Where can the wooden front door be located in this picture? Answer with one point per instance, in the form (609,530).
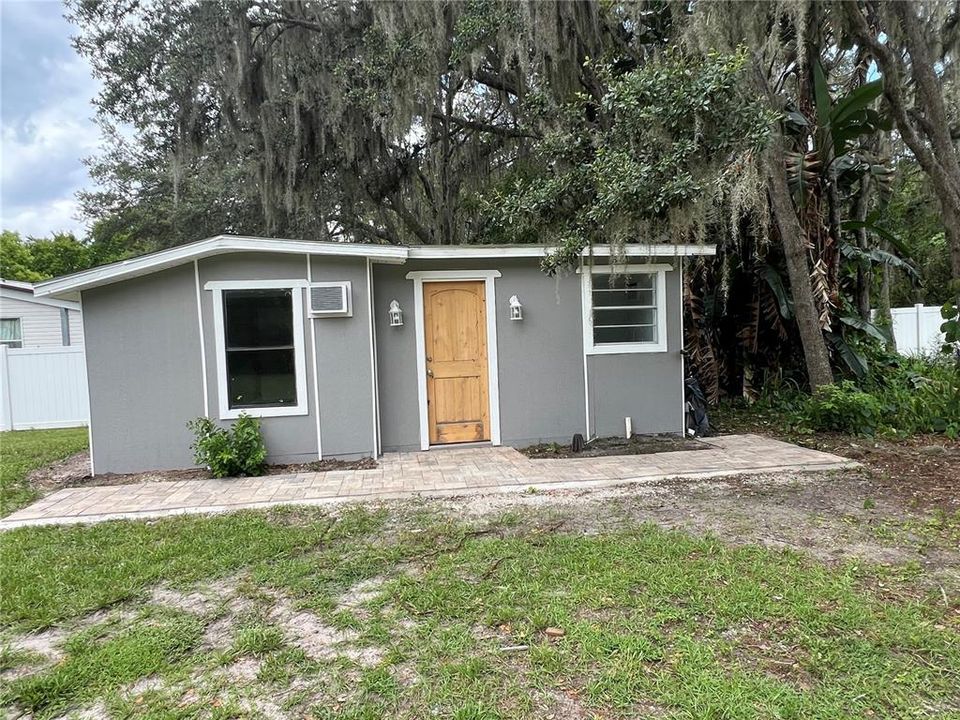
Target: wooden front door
(455,335)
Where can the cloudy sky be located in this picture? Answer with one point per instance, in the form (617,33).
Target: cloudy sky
(45,117)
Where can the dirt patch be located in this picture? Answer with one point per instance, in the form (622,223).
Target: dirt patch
(74,471)
(202,599)
(921,471)
(46,643)
(366,463)
(68,472)
(603,447)
(243,670)
(147,684)
(761,646)
(319,640)
(360,594)
(832,516)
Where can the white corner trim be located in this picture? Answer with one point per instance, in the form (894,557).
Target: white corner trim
(493,374)
(253,284)
(316,368)
(374,383)
(203,346)
(493,365)
(683,366)
(423,415)
(86,370)
(299,358)
(586,302)
(445,275)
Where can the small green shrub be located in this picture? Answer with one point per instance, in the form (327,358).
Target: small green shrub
(239,450)
(843,407)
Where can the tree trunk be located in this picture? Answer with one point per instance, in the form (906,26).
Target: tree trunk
(884,316)
(923,121)
(795,252)
(951,224)
(864,273)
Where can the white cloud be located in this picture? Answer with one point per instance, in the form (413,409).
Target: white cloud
(47,127)
(45,218)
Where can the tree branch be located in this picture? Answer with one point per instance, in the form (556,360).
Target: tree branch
(482,126)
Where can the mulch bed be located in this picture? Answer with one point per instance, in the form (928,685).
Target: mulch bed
(922,471)
(74,471)
(608,446)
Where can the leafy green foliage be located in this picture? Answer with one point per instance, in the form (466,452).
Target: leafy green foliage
(232,452)
(39,259)
(950,327)
(655,162)
(898,396)
(843,407)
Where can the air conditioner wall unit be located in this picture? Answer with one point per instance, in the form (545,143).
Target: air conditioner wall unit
(331,299)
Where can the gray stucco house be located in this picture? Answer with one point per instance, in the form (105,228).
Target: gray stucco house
(348,350)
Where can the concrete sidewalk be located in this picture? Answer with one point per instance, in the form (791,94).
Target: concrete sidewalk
(447,471)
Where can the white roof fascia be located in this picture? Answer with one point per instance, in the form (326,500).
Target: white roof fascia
(218,245)
(27,296)
(69,285)
(441,252)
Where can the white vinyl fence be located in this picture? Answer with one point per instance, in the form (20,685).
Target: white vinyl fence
(43,388)
(917,329)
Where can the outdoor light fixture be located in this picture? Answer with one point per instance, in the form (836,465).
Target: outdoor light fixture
(516,309)
(396,314)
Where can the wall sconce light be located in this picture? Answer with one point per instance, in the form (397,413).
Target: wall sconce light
(395,313)
(516,309)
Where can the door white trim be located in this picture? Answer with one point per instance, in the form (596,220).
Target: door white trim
(419,277)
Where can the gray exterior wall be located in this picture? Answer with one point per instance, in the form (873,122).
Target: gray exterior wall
(143,368)
(289,439)
(144,363)
(646,387)
(541,361)
(344,366)
(342,354)
(540,358)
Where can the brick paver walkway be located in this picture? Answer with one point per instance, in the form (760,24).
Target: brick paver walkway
(448,471)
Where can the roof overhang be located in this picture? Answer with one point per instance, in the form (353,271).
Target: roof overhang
(219,245)
(441,252)
(68,286)
(12,293)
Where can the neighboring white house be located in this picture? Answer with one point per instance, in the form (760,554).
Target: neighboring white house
(32,322)
(43,377)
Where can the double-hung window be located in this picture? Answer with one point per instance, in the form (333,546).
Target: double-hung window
(625,309)
(260,353)
(11,332)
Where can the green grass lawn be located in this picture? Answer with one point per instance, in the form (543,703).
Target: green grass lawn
(25,450)
(407,612)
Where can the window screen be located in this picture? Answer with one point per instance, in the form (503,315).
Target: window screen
(624,308)
(261,365)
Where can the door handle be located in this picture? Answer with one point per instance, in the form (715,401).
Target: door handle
(430,373)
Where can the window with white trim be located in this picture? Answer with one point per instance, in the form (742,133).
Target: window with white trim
(11,332)
(260,351)
(626,311)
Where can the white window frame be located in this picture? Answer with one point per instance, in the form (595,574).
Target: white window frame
(20,340)
(659,271)
(299,353)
